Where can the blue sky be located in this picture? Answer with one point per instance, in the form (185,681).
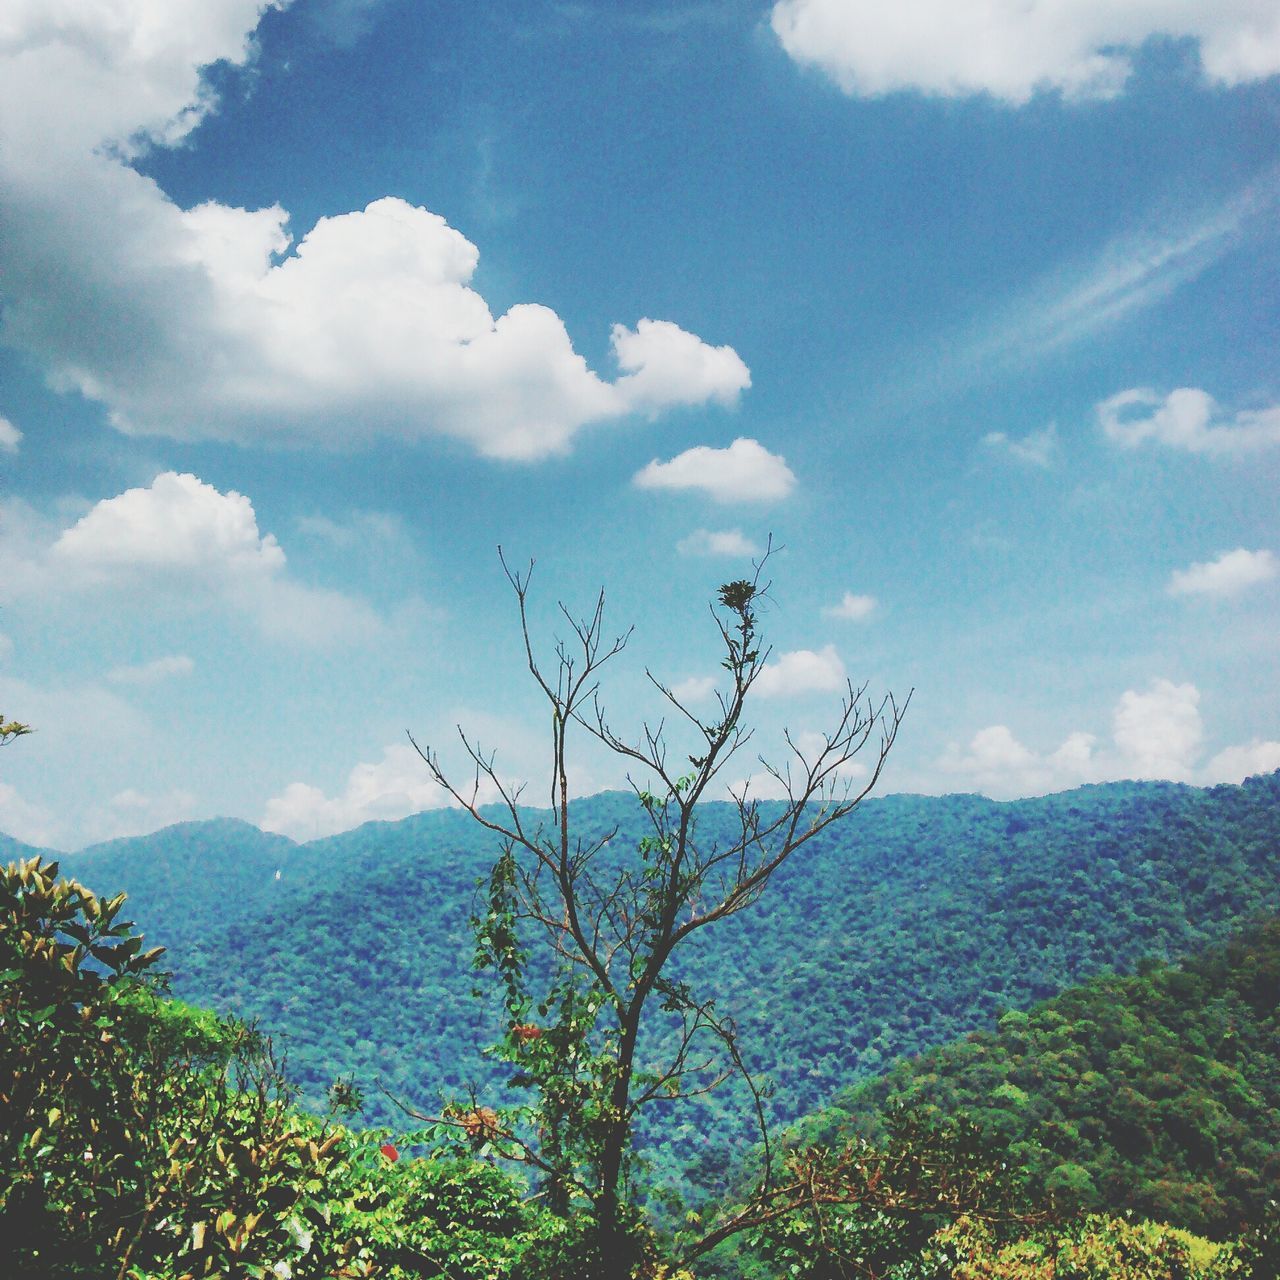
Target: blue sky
(307,308)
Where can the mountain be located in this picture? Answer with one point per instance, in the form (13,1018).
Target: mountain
(914,922)
(184,879)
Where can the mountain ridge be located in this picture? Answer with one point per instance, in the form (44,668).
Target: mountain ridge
(917,920)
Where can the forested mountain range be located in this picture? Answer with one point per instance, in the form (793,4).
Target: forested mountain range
(914,922)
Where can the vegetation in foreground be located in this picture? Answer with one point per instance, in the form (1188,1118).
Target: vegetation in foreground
(144,1139)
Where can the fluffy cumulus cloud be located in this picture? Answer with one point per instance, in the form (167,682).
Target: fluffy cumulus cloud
(395,787)
(717,542)
(10,436)
(212,321)
(663,365)
(1186,419)
(802,671)
(744,472)
(1156,733)
(1235,763)
(176,523)
(1228,575)
(182,539)
(1010,49)
(852,608)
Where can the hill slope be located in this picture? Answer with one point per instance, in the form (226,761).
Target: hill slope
(1157,1093)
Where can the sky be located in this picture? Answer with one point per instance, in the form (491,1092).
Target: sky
(970,306)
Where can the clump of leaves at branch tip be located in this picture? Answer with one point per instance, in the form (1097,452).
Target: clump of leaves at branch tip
(10,729)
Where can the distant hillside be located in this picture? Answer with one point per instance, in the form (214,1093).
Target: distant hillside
(1157,1093)
(183,880)
(917,920)
(12,850)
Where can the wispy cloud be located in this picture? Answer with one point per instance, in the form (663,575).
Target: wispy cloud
(155,671)
(1134,271)
(1036,449)
(717,542)
(852,608)
(673,19)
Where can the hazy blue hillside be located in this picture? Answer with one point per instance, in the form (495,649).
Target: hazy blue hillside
(185,880)
(12,850)
(913,923)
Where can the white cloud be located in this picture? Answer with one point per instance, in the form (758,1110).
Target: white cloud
(663,365)
(205,323)
(30,823)
(128,813)
(181,539)
(1156,733)
(135,813)
(10,436)
(1037,449)
(1235,764)
(362,528)
(763,785)
(744,472)
(996,763)
(1228,575)
(177,523)
(694,689)
(717,542)
(852,608)
(155,671)
(82,730)
(1186,419)
(802,671)
(1011,50)
(395,787)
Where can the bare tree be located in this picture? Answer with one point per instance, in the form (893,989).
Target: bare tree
(611,919)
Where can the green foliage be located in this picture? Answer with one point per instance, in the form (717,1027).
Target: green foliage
(1157,1094)
(943,1203)
(1092,1248)
(10,729)
(140,1138)
(873,1209)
